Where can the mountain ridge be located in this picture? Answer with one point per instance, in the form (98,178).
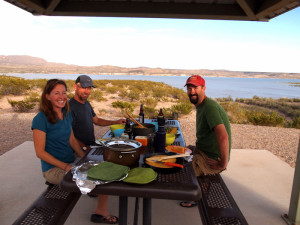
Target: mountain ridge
(30,64)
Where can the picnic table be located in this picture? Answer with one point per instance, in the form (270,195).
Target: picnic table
(179,185)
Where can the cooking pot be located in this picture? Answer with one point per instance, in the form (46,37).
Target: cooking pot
(121,151)
(150,128)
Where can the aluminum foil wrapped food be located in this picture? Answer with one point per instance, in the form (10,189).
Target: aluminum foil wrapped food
(86,175)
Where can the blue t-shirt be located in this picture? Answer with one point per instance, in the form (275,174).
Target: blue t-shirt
(57,138)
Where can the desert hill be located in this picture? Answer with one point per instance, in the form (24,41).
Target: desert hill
(30,64)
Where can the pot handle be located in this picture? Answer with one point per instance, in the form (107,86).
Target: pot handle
(128,152)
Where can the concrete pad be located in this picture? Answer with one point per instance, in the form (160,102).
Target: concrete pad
(21,181)
(259,182)
(261,185)
(164,212)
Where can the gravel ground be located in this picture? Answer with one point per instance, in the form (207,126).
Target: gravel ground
(282,142)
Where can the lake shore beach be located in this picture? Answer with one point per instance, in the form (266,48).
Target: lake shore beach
(282,142)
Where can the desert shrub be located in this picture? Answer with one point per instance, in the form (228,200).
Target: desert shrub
(296,122)
(21,106)
(97,95)
(159,93)
(225,99)
(38,83)
(123,93)
(177,93)
(265,119)
(33,97)
(123,106)
(70,84)
(13,85)
(101,83)
(235,112)
(150,102)
(167,112)
(112,90)
(182,108)
(102,112)
(134,94)
(149,112)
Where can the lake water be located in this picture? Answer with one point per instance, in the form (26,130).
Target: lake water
(215,86)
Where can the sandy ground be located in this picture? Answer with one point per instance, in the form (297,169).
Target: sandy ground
(282,142)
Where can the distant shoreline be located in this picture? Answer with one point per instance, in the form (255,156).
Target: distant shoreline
(296,77)
(35,65)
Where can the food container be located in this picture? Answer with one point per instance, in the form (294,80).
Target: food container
(116,127)
(121,151)
(160,169)
(142,139)
(118,132)
(150,128)
(170,138)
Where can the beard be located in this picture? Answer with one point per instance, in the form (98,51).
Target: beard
(83,97)
(194,100)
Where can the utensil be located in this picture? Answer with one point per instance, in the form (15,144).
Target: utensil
(133,120)
(172,156)
(157,168)
(99,142)
(167,163)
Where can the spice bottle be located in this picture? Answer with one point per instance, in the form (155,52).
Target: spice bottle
(142,115)
(128,129)
(160,139)
(161,118)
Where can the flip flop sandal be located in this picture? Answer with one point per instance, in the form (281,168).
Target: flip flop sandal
(188,204)
(104,219)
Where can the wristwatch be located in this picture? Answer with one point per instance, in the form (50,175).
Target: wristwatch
(84,148)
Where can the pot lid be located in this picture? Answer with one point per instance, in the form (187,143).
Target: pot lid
(120,144)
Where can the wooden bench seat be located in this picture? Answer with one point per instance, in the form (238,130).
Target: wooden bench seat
(217,206)
(52,207)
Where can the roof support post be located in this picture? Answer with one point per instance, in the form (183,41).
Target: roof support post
(293,216)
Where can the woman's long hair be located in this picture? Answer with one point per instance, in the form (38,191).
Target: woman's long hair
(46,105)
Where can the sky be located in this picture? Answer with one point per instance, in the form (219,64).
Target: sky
(272,46)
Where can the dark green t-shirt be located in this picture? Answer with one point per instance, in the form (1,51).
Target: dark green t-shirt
(210,114)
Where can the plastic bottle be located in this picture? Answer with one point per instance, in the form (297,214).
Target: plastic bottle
(128,129)
(160,139)
(142,115)
(161,118)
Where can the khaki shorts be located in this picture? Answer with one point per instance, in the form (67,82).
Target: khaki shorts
(201,167)
(54,175)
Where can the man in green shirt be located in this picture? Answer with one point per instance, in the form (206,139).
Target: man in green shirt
(213,144)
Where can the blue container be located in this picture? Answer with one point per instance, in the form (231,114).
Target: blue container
(155,124)
(118,132)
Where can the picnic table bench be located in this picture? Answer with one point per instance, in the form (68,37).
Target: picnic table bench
(52,207)
(217,206)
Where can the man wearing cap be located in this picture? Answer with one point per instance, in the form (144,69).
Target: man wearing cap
(84,119)
(83,114)
(213,143)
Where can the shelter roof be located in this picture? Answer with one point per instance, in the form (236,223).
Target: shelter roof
(247,10)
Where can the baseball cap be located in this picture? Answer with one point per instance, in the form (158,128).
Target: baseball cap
(85,81)
(195,80)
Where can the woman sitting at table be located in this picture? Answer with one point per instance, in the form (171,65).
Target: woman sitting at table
(53,137)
